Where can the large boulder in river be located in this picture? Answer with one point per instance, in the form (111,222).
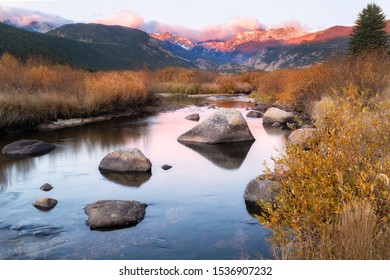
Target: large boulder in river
(224,126)
(27,148)
(114,213)
(277,115)
(129,160)
(259,190)
(302,137)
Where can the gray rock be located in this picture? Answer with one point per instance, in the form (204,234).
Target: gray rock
(193,117)
(46,187)
(166,167)
(302,137)
(254,114)
(276,124)
(224,126)
(259,189)
(45,203)
(27,148)
(277,115)
(129,160)
(114,213)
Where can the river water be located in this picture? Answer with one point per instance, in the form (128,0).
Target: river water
(195,210)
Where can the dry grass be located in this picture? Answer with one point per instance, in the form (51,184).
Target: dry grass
(35,92)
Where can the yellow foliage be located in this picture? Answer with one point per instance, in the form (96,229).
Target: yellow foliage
(348,163)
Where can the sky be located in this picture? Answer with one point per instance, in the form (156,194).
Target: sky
(206,18)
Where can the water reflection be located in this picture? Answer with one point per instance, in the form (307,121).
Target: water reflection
(132,179)
(227,156)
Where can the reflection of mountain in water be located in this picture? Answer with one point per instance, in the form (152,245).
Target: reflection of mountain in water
(227,156)
(131,179)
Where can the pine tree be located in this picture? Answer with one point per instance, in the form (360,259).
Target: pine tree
(369,33)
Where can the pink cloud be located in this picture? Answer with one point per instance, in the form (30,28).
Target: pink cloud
(214,32)
(126,18)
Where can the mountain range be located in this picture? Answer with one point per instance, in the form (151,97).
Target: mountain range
(102,47)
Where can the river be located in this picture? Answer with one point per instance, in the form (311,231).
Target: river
(195,209)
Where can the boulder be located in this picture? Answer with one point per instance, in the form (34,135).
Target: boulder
(129,160)
(46,187)
(277,115)
(254,114)
(27,148)
(224,126)
(45,203)
(302,137)
(114,213)
(259,189)
(193,117)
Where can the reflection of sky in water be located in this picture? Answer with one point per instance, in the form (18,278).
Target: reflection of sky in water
(196,209)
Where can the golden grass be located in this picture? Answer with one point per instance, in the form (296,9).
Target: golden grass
(35,92)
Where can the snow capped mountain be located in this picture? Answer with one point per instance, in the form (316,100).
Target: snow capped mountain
(31,20)
(258,39)
(174,39)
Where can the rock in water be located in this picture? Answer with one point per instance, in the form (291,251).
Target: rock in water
(46,187)
(166,167)
(193,117)
(276,115)
(130,160)
(27,148)
(254,114)
(44,203)
(259,189)
(224,126)
(114,213)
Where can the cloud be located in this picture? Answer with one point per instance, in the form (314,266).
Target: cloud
(214,32)
(22,17)
(125,18)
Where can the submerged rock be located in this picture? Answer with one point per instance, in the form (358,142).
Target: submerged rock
(46,187)
(45,203)
(129,160)
(193,117)
(27,148)
(224,126)
(114,213)
(273,115)
(128,179)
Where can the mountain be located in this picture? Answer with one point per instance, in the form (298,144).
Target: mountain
(174,39)
(90,46)
(31,20)
(255,40)
(323,35)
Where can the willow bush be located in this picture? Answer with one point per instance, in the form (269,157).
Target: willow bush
(344,173)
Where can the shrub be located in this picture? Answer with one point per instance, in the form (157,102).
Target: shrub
(347,167)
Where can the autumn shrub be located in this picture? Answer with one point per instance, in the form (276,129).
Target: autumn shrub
(340,184)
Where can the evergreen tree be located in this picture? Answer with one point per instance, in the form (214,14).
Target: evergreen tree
(369,33)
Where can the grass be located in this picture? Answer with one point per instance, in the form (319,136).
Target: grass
(36,92)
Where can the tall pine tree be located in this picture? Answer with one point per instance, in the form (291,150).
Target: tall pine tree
(369,33)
